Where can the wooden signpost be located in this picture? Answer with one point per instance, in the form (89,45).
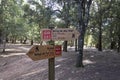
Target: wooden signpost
(38,52)
(59,34)
(64,34)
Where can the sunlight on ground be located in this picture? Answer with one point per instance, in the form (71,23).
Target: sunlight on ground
(61,59)
(88,62)
(16,51)
(57,66)
(13,54)
(12,50)
(24,48)
(34,72)
(73,48)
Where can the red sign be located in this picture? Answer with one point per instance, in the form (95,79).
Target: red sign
(58,50)
(46,34)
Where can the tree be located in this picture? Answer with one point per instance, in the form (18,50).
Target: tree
(41,16)
(83,16)
(66,8)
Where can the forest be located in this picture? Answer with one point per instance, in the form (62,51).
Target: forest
(98,22)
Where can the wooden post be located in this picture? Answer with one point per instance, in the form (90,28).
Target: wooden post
(51,63)
(51,68)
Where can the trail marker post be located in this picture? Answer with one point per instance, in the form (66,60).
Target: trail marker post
(38,52)
(51,61)
(59,34)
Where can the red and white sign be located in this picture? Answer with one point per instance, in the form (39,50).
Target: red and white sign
(46,34)
(58,50)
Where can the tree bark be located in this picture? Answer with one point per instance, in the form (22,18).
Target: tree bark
(80,48)
(32,42)
(0,36)
(79,62)
(100,30)
(65,46)
(100,39)
(118,43)
(83,15)
(76,46)
(21,40)
(4,41)
(24,42)
(112,46)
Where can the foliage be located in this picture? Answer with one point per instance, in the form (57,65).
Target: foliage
(21,21)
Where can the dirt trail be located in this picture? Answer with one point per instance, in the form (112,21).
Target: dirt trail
(15,65)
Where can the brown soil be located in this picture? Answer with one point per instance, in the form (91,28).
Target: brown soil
(16,65)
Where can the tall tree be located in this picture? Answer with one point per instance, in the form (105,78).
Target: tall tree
(83,16)
(103,7)
(66,8)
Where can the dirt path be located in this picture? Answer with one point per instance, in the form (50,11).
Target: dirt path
(15,65)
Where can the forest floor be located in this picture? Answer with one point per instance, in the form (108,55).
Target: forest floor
(16,65)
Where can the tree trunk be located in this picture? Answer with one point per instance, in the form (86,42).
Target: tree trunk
(100,39)
(4,45)
(32,42)
(83,16)
(13,39)
(24,42)
(76,48)
(112,46)
(65,46)
(118,44)
(7,40)
(0,36)
(100,32)
(79,62)
(80,48)
(4,41)
(21,40)
(41,42)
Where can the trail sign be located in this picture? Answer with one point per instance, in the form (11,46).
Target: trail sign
(38,52)
(59,34)
(58,50)
(64,34)
(46,34)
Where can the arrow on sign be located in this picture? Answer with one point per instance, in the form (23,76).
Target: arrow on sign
(38,52)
